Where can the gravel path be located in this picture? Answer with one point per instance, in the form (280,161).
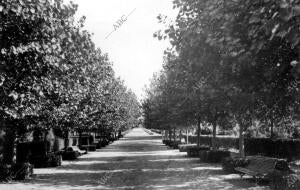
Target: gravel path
(137,161)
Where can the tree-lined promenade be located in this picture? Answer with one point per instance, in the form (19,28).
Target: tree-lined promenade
(232,75)
(233,65)
(53,77)
(126,164)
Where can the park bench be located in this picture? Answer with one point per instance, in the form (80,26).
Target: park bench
(260,167)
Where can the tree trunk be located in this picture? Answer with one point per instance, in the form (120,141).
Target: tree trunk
(213,140)
(241,140)
(9,145)
(80,138)
(47,141)
(187,136)
(180,135)
(101,135)
(66,139)
(170,134)
(272,128)
(198,133)
(174,134)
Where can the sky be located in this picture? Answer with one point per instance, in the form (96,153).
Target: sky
(136,55)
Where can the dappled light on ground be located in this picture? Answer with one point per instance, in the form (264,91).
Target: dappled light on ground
(139,161)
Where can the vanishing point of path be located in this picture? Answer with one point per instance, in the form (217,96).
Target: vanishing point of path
(137,161)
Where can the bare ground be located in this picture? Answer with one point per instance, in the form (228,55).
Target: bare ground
(138,161)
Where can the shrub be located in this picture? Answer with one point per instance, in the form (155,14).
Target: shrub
(5,172)
(43,161)
(205,131)
(91,148)
(296,133)
(284,181)
(229,163)
(102,143)
(56,160)
(185,147)
(16,172)
(221,142)
(167,142)
(277,148)
(22,171)
(213,156)
(194,151)
(174,144)
(70,155)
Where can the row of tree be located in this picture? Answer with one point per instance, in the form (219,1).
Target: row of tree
(53,76)
(232,63)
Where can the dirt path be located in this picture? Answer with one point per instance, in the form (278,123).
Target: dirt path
(138,161)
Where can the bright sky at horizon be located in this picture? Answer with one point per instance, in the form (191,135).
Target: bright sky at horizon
(135,53)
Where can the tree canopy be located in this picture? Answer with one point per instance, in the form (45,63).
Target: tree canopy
(53,76)
(231,63)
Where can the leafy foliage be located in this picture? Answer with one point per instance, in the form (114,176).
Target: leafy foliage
(52,75)
(231,63)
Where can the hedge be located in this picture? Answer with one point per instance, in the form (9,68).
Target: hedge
(195,151)
(91,148)
(102,143)
(172,144)
(278,148)
(166,142)
(44,161)
(213,156)
(185,147)
(221,142)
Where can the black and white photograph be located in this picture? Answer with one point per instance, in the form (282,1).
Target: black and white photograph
(149,94)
